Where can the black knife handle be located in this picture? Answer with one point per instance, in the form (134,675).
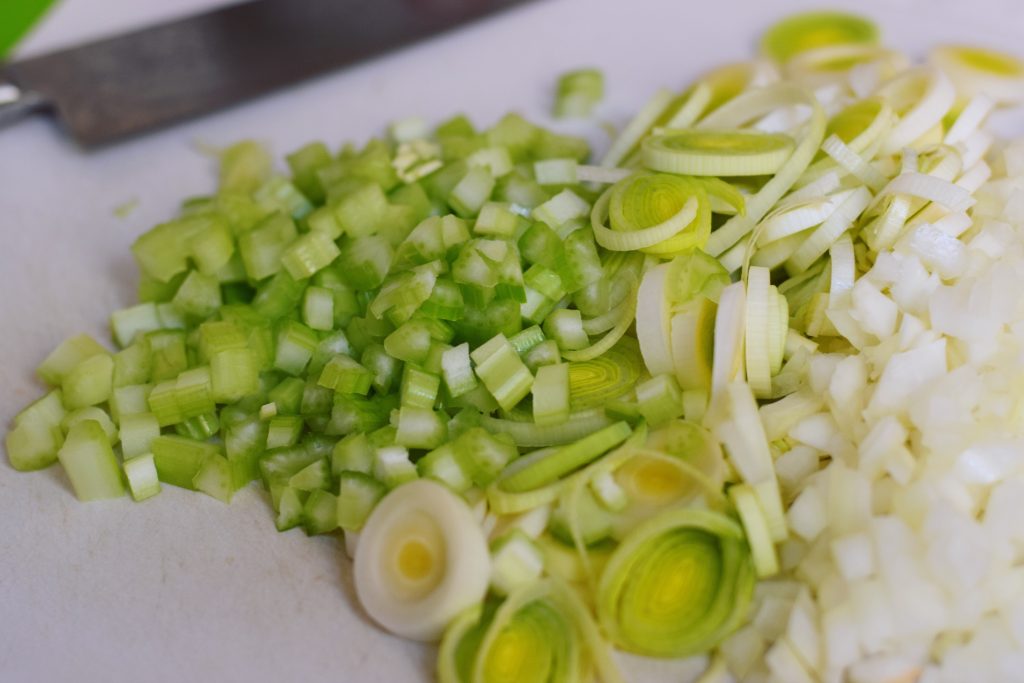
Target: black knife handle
(16,103)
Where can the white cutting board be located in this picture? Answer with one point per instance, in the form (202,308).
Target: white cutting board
(182,587)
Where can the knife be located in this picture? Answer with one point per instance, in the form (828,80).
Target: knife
(115,88)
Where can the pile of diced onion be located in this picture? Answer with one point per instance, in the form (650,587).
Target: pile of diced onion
(903,465)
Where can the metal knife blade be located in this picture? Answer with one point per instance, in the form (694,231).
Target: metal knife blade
(121,86)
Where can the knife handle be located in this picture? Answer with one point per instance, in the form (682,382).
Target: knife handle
(16,103)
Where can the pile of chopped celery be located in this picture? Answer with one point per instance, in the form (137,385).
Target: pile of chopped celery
(556,407)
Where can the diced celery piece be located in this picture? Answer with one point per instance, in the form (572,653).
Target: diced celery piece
(95,414)
(485,454)
(33,442)
(308,254)
(128,322)
(352,454)
(140,471)
(304,163)
(89,382)
(284,430)
(420,428)
(551,394)
(346,376)
(132,364)
(443,465)
(289,509)
(419,387)
(234,374)
(244,443)
(287,395)
(363,211)
(320,513)
(214,478)
(385,369)
(579,264)
(212,248)
(163,403)
(503,373)
(33,445)
(167,353)
(358,494)
(392,467)
(199,295)
(470,193)
(90,463)
(261,248)
(129,400)
(193,392)
(316,475)
(137,434)
(318,308)
(220,335)
(199,427)
(565,326)
(278,194)
(278,296)
(295,346)
(280,464)
(179,459)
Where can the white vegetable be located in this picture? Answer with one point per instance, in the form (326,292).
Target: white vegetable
(422,558)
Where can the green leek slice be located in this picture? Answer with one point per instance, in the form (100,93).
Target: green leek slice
(717,152)
(677,585)
(810,30)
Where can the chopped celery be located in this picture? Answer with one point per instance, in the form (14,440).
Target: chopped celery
(90,463)
(358,493)
(89,382)
(320,513)
(214,478)
(179,459)
(140,471)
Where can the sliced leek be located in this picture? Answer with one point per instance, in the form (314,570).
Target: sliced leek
(717,152)
(982,71)
(678,584)
(421,560)
(743,109)
(810,30)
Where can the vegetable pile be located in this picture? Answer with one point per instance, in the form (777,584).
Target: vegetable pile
(748,387)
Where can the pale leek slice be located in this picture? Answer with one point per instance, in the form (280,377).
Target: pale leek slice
(703,152)
(750,106)
(422,559)
(982,71)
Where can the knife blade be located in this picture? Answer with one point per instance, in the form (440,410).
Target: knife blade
(121,86)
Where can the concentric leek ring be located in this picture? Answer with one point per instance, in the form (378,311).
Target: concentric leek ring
(979,71)
(533,639)
(655,213)
(677,585)
(811,30)
(594,382)
(717,152)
